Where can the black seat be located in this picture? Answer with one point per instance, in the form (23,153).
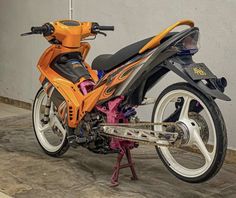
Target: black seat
(107,62)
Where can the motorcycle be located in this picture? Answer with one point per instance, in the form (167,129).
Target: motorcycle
(95,106)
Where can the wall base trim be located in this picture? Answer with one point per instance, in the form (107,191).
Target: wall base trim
(16,103)
(230,156)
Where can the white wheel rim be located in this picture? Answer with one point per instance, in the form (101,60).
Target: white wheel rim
(40,130)
(195,138)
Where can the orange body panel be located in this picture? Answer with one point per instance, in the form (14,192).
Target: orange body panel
(156,40)
(70,38)
(78,103)
(73,97)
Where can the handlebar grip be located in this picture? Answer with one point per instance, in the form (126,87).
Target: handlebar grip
(107,28)
(46,29)
(39,29)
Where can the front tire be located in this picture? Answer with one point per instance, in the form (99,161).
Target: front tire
(213,139)
(55,147)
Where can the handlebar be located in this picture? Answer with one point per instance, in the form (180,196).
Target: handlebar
(105,28)
(46,29)
(96,28)
(39,29)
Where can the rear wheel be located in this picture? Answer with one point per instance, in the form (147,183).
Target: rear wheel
(52,135)
(204,144)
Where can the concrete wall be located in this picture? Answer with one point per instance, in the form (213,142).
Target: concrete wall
(19,55)
(133,20)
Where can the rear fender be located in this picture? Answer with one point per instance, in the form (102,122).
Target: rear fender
(194,74)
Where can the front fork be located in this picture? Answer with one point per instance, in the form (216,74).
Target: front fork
(47,111)
(70,131)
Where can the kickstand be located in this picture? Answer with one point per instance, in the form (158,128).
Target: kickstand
(118,166)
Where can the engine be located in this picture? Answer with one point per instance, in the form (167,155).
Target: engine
(89,135)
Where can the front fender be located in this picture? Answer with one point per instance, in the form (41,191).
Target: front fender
(179,66)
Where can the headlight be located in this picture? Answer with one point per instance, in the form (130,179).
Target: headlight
(188,45)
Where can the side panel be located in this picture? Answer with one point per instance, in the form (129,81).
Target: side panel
(158,55)
(116,79)
(69,91)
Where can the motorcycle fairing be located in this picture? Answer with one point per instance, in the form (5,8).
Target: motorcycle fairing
(138,74)
(77,103)
(73,97)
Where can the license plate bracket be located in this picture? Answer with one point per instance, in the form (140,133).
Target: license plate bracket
(198,71)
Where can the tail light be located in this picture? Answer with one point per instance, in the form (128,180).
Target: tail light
(188,45)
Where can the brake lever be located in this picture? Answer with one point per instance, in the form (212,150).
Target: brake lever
(26,34)
(102,33)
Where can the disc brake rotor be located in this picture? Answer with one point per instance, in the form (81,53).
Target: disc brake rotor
(202,124)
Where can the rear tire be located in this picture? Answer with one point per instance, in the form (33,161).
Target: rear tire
(220,134)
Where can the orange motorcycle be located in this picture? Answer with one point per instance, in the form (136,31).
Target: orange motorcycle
(95,106)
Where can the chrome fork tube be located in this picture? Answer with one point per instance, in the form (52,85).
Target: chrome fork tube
(47,111)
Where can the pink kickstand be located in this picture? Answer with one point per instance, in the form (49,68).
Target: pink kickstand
(124,146)
(118,166)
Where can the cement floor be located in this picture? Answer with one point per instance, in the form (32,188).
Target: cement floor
(25,171)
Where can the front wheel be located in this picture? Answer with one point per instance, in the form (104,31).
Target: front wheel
(52,135)
(204,143)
